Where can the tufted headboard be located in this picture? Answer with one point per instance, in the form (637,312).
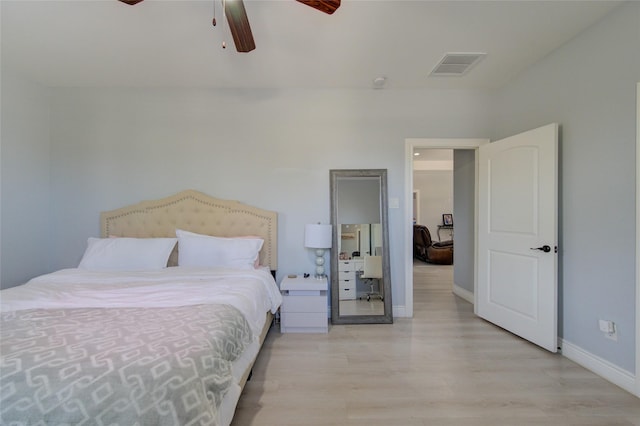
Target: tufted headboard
(196,212)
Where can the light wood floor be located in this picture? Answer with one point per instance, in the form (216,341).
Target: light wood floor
(442,367)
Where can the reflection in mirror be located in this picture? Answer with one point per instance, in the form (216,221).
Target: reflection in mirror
(360,279)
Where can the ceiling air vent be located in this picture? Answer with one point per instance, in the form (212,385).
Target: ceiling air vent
(456,64)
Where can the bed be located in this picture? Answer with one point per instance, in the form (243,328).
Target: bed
(162,345)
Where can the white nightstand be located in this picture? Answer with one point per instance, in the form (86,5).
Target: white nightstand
(304,305)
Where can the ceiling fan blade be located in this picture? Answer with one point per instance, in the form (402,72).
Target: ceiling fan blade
(326,6)
(239,25)
(131,2)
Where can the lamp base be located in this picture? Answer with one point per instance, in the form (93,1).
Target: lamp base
(320,263)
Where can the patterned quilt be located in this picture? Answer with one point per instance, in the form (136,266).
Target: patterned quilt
(118,366)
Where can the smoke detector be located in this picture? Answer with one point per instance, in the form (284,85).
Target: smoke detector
(456,64)
(379,82)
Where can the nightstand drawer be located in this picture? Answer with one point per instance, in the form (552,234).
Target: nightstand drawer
(304,320)
(314,304)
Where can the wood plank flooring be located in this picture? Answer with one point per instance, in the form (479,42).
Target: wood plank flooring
(442,367)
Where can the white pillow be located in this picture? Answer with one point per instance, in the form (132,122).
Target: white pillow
(127,254)
(204,251)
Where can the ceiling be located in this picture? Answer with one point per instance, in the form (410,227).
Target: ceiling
(432,154)
(430,159)
(173,44)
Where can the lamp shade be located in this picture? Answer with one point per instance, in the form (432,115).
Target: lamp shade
(317,236)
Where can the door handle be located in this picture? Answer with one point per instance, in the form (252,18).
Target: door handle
(545,248)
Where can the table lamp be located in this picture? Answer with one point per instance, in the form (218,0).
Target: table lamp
(318,237)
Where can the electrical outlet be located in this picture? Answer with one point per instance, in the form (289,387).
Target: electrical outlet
(609,329)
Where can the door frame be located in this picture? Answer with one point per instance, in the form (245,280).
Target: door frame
(415,196)
(637,373)
(409,145)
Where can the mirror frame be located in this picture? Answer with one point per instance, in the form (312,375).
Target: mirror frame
(387,316)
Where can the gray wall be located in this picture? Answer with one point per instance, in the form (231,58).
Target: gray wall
(24,169)
(274,149)
(436,198)
(589,87)
(464,178)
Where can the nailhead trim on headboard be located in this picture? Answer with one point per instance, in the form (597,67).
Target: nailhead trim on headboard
(196,212)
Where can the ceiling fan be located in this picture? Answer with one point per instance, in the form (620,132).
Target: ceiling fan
(239,23)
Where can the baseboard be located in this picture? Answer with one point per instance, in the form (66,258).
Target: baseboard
(616,375)
(399,311)
(463,293)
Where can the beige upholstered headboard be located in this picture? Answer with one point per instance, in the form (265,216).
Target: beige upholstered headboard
(196,212)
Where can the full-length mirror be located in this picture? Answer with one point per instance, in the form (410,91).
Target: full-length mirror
(360,273)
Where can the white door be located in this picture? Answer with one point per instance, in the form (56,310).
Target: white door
(517,235)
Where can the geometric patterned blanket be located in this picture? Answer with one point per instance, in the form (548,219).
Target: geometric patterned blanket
(118,366)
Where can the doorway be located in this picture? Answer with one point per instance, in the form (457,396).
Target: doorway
(433,191)
(410,146)
(433,176)
(595,365)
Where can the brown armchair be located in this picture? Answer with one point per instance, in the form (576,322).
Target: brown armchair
(428,251)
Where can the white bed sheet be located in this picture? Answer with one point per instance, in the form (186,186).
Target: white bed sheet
(253,292)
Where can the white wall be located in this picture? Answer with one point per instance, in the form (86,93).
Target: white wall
(436,198)
(588,86)
(24,175)
(270,148)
